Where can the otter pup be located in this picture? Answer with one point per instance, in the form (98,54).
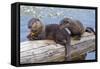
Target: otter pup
(60,36)
(36,27)
(75,27)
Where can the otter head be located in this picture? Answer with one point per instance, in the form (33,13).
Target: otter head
(35,25)
(66,22)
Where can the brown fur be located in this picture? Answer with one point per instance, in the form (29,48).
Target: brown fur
(36,27)
(75,26)
(60,36)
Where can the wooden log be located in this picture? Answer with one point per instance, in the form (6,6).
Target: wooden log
(40,51)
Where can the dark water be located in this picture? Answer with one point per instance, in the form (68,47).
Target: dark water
(86,17)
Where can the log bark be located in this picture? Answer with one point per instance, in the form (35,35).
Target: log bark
(40,51)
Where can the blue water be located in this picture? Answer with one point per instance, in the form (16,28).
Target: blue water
(87,17)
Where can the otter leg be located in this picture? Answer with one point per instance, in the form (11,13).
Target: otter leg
(67,47)
(67,52)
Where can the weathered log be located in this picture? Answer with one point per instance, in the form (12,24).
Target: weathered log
(40,51)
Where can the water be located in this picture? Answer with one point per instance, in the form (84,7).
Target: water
(90,56)
(87,17)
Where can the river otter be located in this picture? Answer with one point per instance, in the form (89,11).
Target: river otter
(52,31)
(75,27)
(60,36)
(36,29)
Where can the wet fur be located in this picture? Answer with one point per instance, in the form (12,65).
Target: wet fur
(36,29)
(60,36)
(75,26)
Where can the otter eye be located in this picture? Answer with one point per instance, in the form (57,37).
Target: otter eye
(67,21)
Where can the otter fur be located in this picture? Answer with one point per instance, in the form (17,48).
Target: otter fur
(36,29)
(60,36)
(50,32)
(75,26)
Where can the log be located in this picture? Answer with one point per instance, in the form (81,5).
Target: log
(39,51)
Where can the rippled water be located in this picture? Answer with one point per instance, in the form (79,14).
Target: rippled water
(87,17)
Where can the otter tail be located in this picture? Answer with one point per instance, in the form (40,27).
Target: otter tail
(90,30)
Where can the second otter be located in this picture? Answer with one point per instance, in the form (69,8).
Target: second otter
(75,27)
